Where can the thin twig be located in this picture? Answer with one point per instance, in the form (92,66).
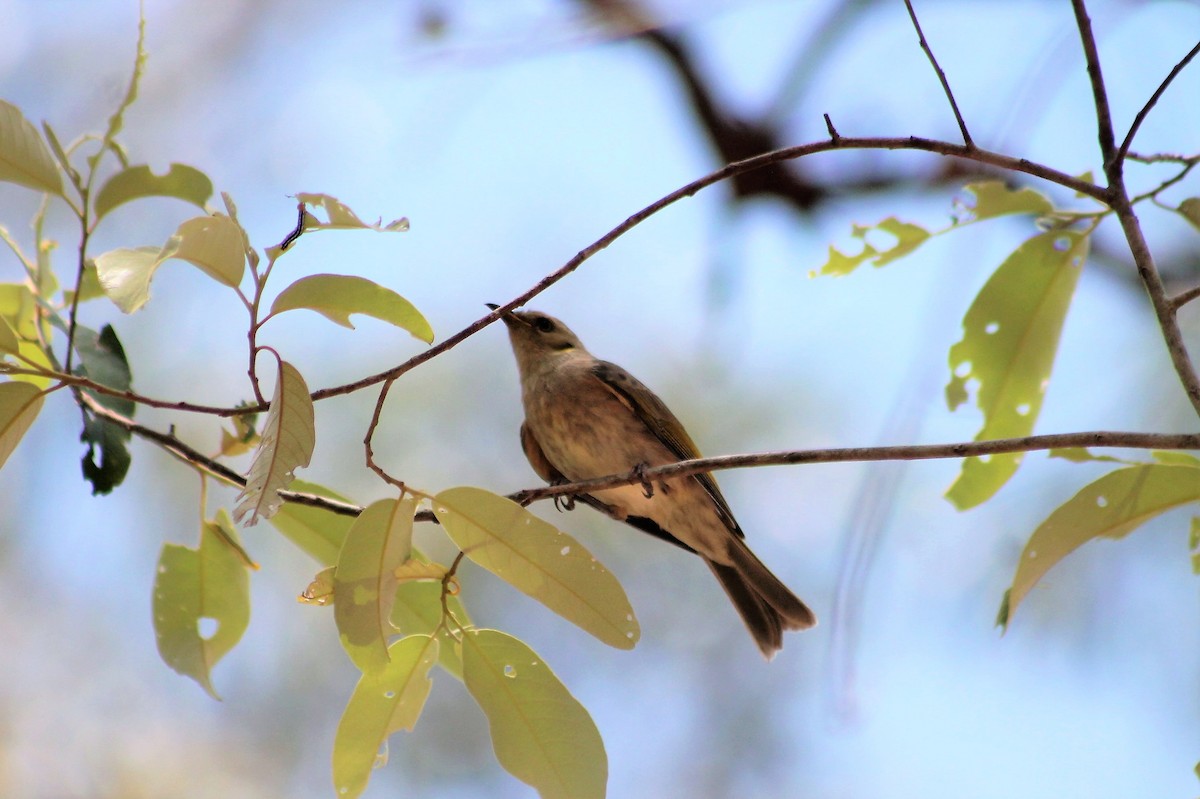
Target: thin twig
(77,381)
(962,125)
(910,452)
(1162,87)
(1184,297)
(1104,125)
(968,152)
(370,451)
(964,449)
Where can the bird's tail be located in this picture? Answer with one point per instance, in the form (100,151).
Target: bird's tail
(766,605)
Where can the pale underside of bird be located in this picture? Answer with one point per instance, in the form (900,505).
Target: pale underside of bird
(587,418)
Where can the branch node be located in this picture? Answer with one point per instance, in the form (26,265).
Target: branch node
(834,136)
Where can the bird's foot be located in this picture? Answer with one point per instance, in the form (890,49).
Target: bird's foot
(563,502)
(639,471)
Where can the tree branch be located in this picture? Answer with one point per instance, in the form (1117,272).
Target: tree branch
(962,125)
(1162,87)
(909,452)
(967,152)
(1104,125)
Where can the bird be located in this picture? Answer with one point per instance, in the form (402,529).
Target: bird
(587,418)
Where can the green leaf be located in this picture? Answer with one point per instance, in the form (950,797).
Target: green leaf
(381,704)
(1111,507)
(364,583)
(102,359)
(1010,338)
(1190,209)
(337,296)
(60,154)
(1084,455)
(125,275)
(24,159)
(89,287)
(1176,458)
(1194,544)
(418,609)
(320,589)
(288,439)
(318,532)
(212,243)
(20,404)
(9,343)
(541,734)
(181,182)
(907,237)
(993,198)
(539,560)
(340,216)
(209,585)
(112,443)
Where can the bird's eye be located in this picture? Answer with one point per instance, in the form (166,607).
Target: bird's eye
(543,324)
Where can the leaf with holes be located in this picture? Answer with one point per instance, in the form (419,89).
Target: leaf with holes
(135,182)
(364,583)
(381,704)
(1111,507)
(195,587)
(541,734)
(539,560)
(288,438)
(1010,338)
(904,236)
(340,216)
(24,158)
(992,198)
(337,296)
(20,404)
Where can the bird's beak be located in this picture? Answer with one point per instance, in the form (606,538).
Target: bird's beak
(509,318)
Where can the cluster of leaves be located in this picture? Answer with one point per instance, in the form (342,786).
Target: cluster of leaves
(398,613)
(1010,339)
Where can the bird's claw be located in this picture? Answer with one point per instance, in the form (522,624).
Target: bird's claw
(564,502)
(639,471)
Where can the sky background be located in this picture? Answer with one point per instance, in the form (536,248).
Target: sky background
(513,135)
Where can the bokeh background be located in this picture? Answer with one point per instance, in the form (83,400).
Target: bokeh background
(512,135)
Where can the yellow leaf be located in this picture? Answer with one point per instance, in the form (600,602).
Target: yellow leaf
(1010,338)
(288,439)
(541,734)
(539,560)
(20,404)
(381,704)
(1111,507)
(364,582)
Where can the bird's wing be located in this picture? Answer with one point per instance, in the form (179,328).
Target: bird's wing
(537,459)
(546,470)
(658,418)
